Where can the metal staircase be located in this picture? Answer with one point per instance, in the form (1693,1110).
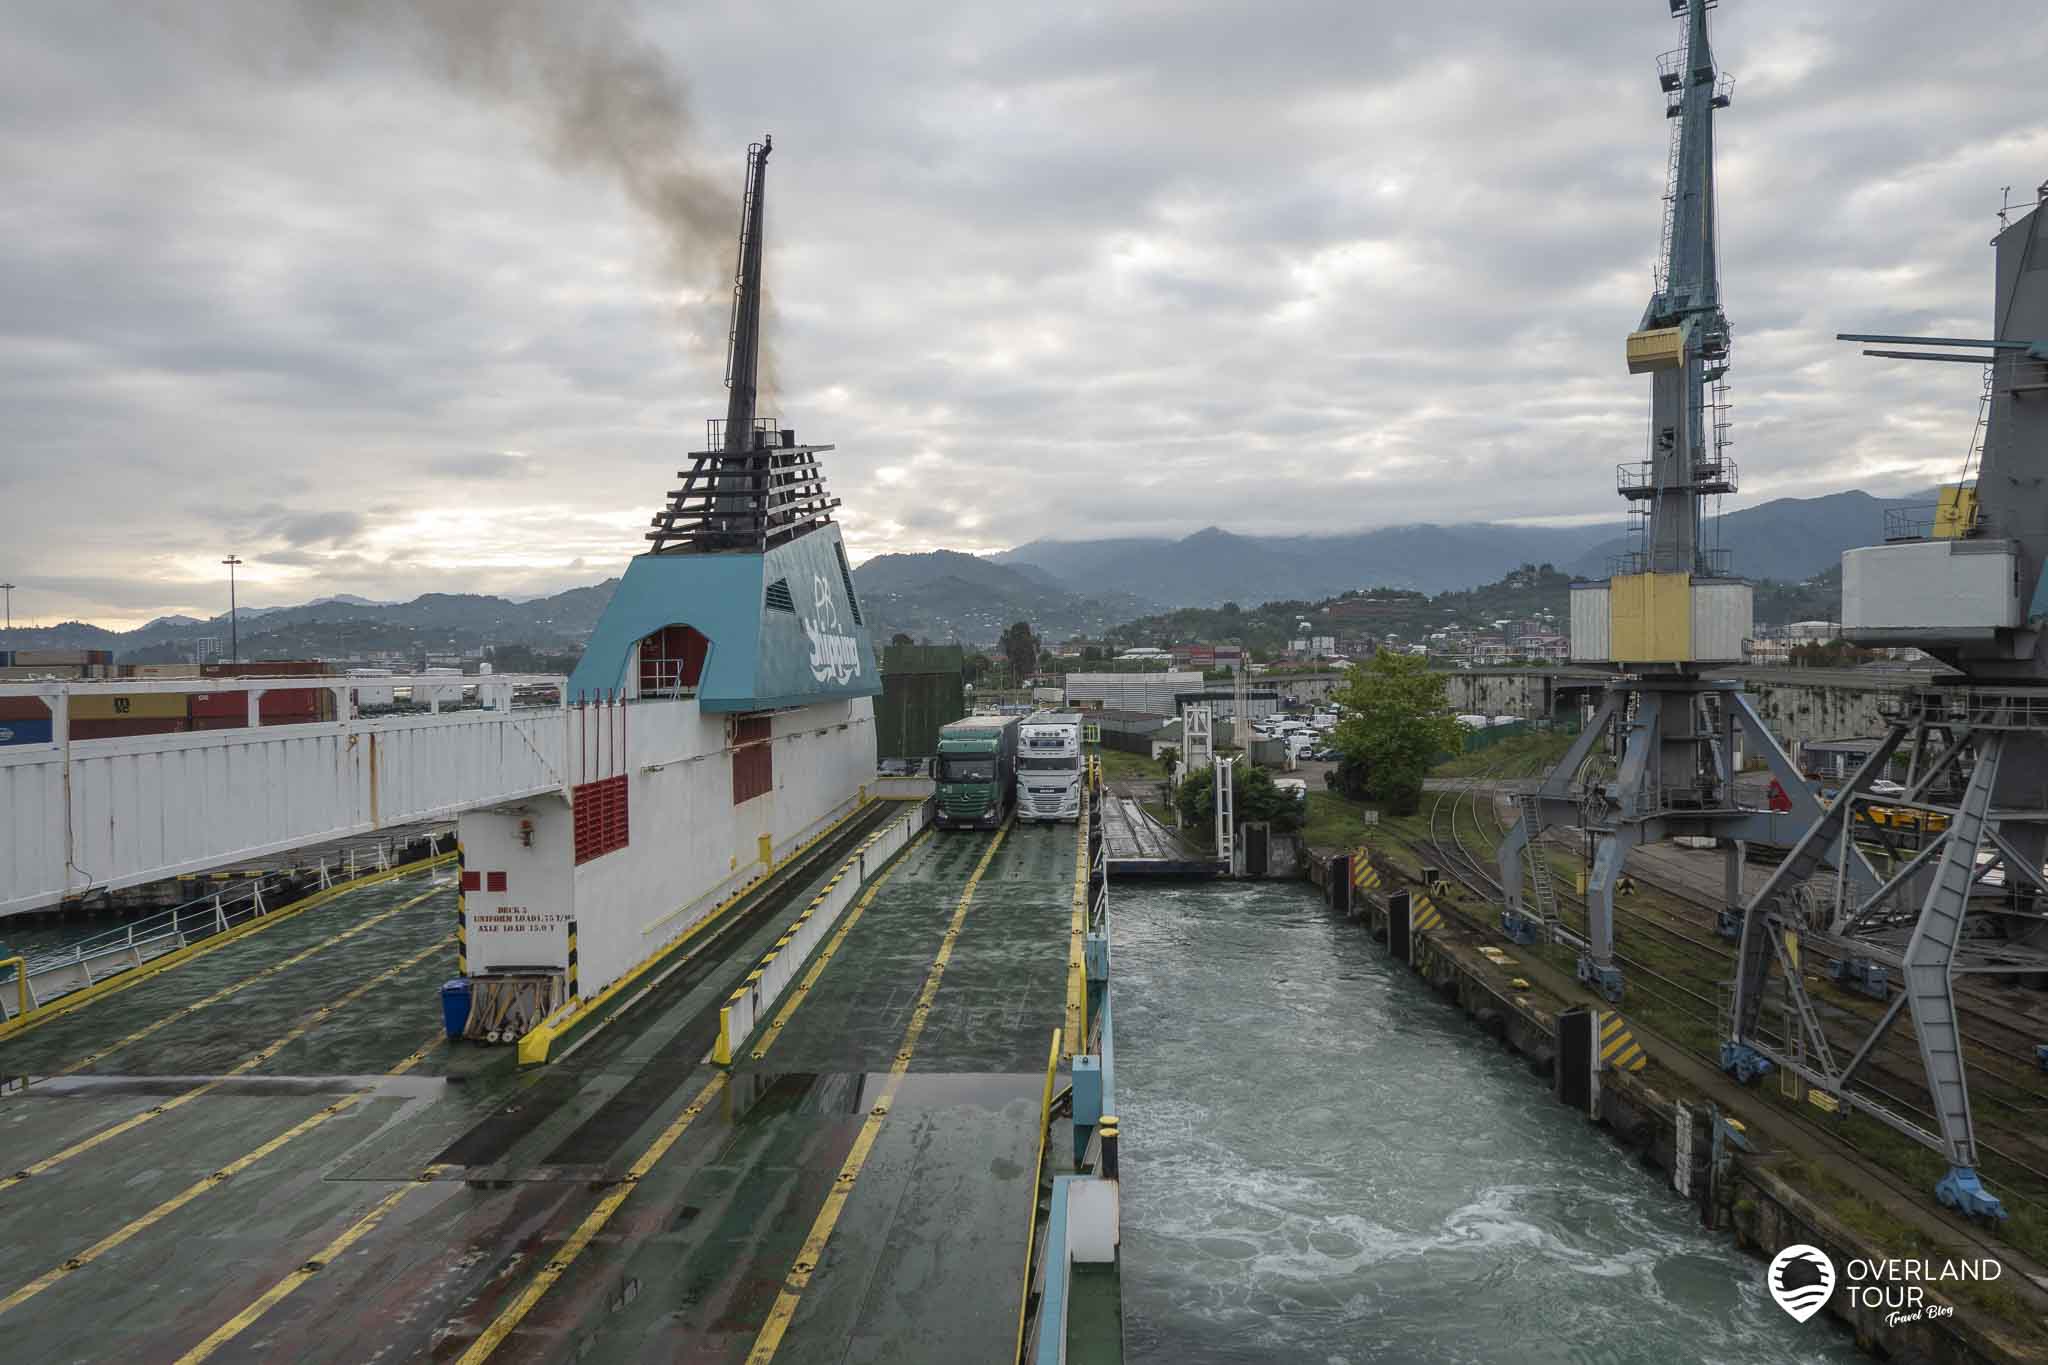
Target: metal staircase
(1542,890)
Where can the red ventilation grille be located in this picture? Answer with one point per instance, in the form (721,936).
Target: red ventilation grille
(753,758)
(601,824)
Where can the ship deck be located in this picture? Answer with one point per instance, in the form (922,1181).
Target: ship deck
(272,1153)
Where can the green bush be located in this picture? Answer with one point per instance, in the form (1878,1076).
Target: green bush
(1253,795)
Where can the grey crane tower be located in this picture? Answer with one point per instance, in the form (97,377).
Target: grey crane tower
(1669,606)
(1963,889)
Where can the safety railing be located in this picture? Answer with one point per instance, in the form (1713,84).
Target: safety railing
(41,978)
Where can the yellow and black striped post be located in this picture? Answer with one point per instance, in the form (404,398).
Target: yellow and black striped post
(1618,1046)
(461,915)
(574,989)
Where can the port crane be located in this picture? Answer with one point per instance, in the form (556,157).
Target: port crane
(1967,894)
(1671,607)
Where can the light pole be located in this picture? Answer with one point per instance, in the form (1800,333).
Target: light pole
(234,638)
(8,589)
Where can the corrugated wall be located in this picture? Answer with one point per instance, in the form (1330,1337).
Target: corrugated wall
(921,691)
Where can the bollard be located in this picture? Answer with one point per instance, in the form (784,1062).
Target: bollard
(1109,1136)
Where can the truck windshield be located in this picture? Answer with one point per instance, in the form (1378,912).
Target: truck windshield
(967,770)
(1071,763)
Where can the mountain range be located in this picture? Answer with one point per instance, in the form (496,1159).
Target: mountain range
(1063,587)
(1789,539)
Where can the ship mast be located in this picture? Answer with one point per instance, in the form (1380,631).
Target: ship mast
(752,486)
(743,342)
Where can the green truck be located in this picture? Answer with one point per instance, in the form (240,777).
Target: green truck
(977,772)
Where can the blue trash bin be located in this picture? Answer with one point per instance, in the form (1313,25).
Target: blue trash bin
(455,1006)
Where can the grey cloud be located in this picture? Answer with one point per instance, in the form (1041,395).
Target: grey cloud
(1302,266)
(481,464)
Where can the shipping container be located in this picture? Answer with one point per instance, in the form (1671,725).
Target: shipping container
(25,731)
(117,705)
(121,727)
(62,657)
(270,668)
(286,706)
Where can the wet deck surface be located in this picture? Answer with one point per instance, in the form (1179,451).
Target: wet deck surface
(311,1174)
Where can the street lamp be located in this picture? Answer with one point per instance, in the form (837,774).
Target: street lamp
(234,638)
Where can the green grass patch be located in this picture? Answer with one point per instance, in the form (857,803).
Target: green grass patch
(1120,766)
(1529,755)
(1334,822)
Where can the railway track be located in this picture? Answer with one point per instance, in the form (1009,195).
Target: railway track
(1461,860)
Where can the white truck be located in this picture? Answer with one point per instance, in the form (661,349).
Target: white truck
(1049,766)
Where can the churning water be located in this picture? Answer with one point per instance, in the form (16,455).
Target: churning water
(1326,1164)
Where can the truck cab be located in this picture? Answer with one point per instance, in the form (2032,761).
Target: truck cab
(977,772)
(1049,767)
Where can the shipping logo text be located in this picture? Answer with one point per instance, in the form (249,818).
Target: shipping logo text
(835,658)
(1802,1278)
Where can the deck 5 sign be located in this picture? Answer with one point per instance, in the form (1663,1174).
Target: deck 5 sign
(835,656)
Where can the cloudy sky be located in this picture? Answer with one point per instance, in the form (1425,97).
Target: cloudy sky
(388,298)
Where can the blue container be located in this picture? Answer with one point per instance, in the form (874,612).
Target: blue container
(24,731)
(455,1006)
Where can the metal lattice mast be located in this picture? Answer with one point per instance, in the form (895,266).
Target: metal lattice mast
(752,487)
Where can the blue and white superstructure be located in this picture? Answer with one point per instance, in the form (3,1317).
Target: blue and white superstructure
(722,716)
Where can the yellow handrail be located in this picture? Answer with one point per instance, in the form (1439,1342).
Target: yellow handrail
(1052,1071)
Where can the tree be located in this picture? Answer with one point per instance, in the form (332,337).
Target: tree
(1020,647)
(1092,654)
(979,666)
(1253,797)
(1398,724)
(899,638)
(1169,759)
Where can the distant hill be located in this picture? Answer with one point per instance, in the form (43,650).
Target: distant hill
(1063,588)
(1214,566)
(946,595)
(1790,539)
(340,627)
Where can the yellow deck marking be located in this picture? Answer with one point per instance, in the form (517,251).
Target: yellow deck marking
(200,1187)
(1075,1031)
(289,1285)
(558,1265)
(544,1279)
(813,1250)
(825,955)
(243,1067)
(156,966)
(236,987)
